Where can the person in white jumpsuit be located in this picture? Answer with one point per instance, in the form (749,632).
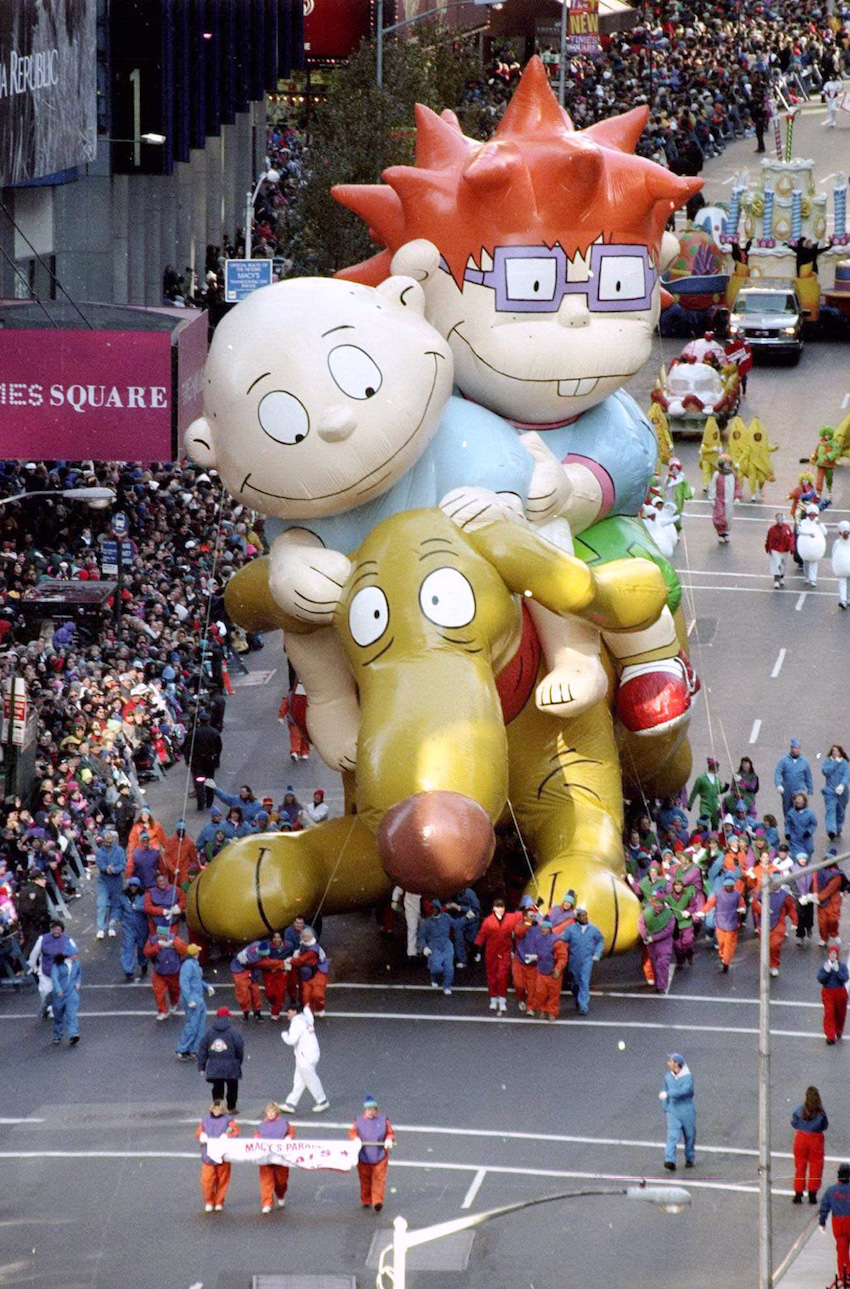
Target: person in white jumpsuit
(811,544)
(412,905)
(832,92)
(841,561)
(301,1036)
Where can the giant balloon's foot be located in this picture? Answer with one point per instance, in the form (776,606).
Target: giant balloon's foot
(259,883)
(611,904)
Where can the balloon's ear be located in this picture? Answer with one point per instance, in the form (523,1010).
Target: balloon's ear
(418,259)
(404,291)
(199,442)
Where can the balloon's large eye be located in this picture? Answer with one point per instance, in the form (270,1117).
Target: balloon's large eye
(622,277)
(354,372)
(368,615)
(447,599)
(531,278)
(283,417)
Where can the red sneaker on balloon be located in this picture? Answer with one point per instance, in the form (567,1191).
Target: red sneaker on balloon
(655,697)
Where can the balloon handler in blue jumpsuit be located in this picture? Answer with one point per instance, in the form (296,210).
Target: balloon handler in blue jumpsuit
(585,944)
(435,941)
(678,1100)
(66,978)
(193,1000)
(134,928)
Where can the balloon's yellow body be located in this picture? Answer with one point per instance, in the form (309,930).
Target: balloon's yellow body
(430,617)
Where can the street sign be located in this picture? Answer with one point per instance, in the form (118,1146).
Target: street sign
(120,524)
(241,277)
(109,554)
(15,719)
(583,27)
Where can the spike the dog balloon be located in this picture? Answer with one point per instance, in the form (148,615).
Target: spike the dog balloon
(539,252)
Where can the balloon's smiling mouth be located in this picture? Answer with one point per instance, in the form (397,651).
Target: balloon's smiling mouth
(571,388)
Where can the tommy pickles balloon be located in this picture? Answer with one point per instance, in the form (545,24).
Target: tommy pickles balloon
(539,253)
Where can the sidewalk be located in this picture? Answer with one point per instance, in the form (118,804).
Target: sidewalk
(814,1266)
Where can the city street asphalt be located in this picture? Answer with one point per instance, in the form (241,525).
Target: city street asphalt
(99,1162)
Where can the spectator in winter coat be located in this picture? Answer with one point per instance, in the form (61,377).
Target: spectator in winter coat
(826,886)
(165,952)
(215,1178)
(134,929)
(316,812)
(801,825)
(833,981)
(585,944)
(146,824)
(810,1122)
(377,1137)
(193,999)
(836,771)
(836,1200)
(220,1056)
(841,561)
(435,941)
(274,1178)
(66,978)
(792,775)
(495,937)
(289,810)
(656,924)
(111,863)
(678,1098)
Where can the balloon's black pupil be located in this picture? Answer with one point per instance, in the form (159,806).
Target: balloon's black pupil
(377,613)
(299,438)
(435,599)
(369,391)
(618,288)
(537,286)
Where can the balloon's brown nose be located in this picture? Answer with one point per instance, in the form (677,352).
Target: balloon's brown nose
(435,843)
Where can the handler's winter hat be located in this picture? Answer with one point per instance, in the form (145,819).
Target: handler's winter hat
(180,826)
(676,1057)
(844,1172)
(134,881)
(729,879)
(320,792)
(436,906)
(223,1011)
(369,1102)
(192,950)
(712,763)
(795,742)
(216,812)
(527,902)
(546,922)
(844,526)
(569,897)
(268,801)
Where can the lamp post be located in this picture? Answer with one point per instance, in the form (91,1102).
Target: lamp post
(768,885)
(381,30)
(94,498)
(394,1275)
(268,176)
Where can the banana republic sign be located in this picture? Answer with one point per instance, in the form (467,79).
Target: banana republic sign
(48,114)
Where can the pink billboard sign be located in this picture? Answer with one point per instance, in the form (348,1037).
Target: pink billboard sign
(105,395)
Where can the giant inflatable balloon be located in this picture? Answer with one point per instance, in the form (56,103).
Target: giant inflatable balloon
(446,660)
(539,253)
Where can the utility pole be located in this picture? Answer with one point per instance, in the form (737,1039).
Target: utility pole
(562,61)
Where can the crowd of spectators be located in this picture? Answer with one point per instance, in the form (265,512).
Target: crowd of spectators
(706,70)
(115,696)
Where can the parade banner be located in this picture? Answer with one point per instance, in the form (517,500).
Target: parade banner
(583,27)
(338,1156)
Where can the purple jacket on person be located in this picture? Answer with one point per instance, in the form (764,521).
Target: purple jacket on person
(145,865)
(535,942)
(53,944)
(726,911)
(371,1130)
(214,1125)
(273,1129)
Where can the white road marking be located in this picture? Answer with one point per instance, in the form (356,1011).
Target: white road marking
(8,1121)
(474,1188)
(801,600)
(777,666)
(448,1018)
(753,590)
(691,626)
(716,572)
(845,400)
(754,732)
(693,1183)
(253,678)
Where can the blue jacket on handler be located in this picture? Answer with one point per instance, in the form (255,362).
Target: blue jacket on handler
(678,1098)
(585,943)
(793,774)
(801,826)
(66,977)
(435,940)
(220,1052)
(836,772)
(134,925)
(835,1200)
(193,999)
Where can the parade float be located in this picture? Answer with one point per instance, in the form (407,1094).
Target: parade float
(779,228)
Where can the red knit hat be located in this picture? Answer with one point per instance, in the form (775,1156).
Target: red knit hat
(223,1011)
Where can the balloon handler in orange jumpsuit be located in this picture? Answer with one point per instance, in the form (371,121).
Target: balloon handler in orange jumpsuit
(731,911)
(245,969)
(495,938)
(166,952)
(311,964)
(810,1124)
(377,1137)
(215,1178)
(548,958)
(826,886)
(833,977)
(274,1178)
(782,907)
